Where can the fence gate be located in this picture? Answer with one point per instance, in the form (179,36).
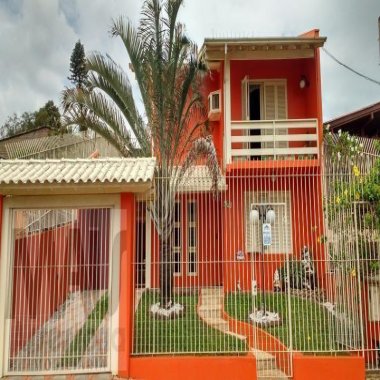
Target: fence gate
(57,313)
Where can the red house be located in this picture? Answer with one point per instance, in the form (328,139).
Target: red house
(81,274)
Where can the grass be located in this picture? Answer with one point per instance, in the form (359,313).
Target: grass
(186,334)
(310,327)
(84,335)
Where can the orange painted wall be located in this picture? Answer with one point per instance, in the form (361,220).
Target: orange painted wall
(194,367)
(43,278)
(307,226)
(209,244)
(328,367)
(50,264)
(126,289)
(91,249)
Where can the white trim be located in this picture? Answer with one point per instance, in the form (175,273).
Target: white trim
(227,111)
(113,335)
(148,249)
(4,280)
(73,201)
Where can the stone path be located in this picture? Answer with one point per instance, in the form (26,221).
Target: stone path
(211,311)
(45,349)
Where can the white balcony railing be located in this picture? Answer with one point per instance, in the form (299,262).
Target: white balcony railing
(273,140)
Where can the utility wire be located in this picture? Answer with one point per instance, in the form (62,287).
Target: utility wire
(349,68)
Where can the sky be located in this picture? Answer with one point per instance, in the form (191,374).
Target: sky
(37,38)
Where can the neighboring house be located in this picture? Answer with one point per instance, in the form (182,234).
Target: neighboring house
(364,122)
(35,133)
(41,144)
(76,295)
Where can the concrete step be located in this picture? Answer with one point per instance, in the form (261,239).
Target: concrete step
(212,299)
(264,360)
(212,292)
(218,323)
(238,336)
(271,374)
(211,313)
(210,306)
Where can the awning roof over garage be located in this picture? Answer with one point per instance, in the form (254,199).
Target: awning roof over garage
(111,175)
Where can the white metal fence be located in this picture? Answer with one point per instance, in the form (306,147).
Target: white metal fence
(58,319)
(283,259)
(307,290)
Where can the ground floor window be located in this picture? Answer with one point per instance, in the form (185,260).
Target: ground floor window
(177,239)
(280,203)
(192,237)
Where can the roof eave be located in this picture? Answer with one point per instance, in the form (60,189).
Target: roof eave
(74,188)
(274,43)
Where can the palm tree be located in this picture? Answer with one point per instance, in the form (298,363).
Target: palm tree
(174,126)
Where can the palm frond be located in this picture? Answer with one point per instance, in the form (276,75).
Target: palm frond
(202,148)
(110,78)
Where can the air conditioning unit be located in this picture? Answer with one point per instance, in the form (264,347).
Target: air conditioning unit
(214,105)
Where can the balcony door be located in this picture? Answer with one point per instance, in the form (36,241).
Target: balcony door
(264,100)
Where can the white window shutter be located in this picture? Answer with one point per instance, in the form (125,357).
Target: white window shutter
(281,113)
(270,101)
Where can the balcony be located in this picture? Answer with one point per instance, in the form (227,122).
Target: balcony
(272,140)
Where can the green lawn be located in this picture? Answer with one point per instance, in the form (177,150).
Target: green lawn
(311,330)
(186,334)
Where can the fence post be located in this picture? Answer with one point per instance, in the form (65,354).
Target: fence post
(359,280)
(126,296)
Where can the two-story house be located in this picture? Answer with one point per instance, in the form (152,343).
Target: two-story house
(264,101)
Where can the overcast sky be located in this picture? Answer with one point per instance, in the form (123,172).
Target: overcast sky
(37,38)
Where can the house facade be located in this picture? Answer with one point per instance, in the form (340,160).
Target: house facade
(80,254)
(266,121)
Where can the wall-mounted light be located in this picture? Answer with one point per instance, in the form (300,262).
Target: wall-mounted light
(304,82)
(265,213)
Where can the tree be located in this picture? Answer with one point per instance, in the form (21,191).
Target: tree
(78,68)
(15,124)
(48,116)
(169,76)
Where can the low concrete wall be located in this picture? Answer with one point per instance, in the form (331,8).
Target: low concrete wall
(193,367)
(328,367)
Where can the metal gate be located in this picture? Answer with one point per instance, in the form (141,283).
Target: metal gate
(57,316)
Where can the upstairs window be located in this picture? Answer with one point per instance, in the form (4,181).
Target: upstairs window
(265,100)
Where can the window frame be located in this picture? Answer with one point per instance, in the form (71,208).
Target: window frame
(192,249)
(177,224)
(258,198)
(247,82)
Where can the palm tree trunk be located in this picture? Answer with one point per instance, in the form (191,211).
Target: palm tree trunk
(166,274)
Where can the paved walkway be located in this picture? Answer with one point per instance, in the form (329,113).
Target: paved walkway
(45,349)
(211,311)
